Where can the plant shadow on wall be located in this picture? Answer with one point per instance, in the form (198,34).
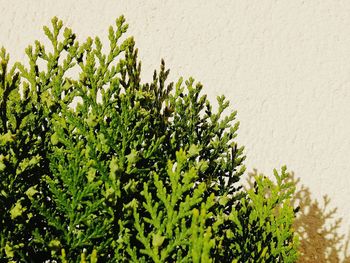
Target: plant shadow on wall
(317,225)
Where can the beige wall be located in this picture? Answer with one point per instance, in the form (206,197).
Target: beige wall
(285,66)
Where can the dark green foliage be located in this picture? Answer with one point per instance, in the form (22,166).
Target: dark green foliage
(262,222)
(134,172)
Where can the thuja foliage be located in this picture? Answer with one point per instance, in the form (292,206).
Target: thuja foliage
(96,166)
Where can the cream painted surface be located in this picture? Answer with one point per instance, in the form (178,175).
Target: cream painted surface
(285,66)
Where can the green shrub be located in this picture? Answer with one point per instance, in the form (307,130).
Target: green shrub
(133,172)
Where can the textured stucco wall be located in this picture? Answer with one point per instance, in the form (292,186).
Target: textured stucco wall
(285,66)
